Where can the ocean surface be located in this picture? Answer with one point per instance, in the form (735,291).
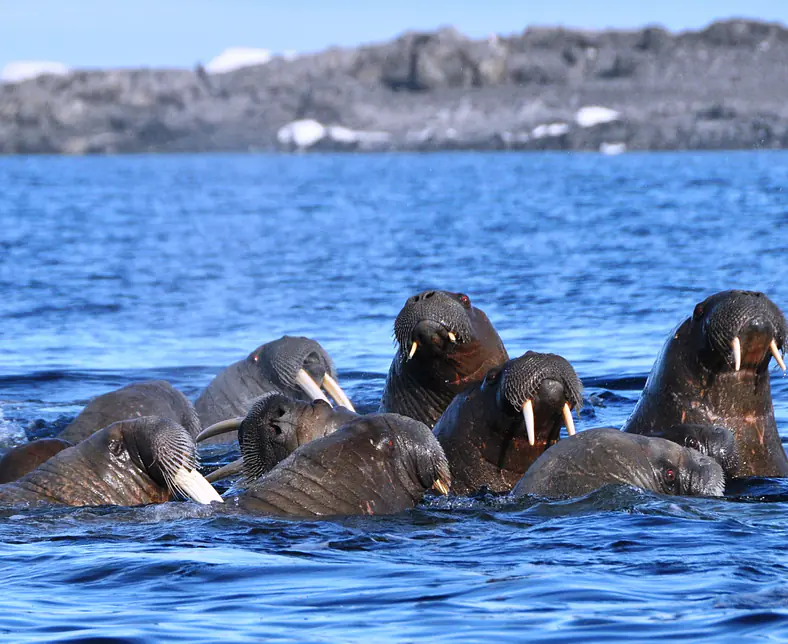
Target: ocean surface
(119,269)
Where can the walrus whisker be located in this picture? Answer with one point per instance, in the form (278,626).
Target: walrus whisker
(222,427)
(412,351)
(530,423)
(452,337)
(441,487)
(337,393)
(193,485)
(310,387)
(776,354)
(225,470)
(568,420)
(736,346)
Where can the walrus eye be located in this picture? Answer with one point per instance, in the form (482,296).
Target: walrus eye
(670,475)
(465,300)
(115,447)
(693,443)
(698,311)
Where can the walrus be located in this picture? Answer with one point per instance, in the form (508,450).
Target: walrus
(495,429)
(22,459)
(444,345)
(147,398)
(274,427)
(713,370)
(591,459)
(375,464)
(712,440)
(131,462)
(294,366)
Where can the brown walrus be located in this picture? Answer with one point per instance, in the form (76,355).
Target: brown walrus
(148,398)
(131,462)
(22,459)
(713,370)
(445,344)
(376,464)
(274,427)
(495,429)
(294,366)
(583,463)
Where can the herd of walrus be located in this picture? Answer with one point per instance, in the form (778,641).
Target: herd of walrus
(457,416)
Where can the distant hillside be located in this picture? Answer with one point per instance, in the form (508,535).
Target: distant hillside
(722,87)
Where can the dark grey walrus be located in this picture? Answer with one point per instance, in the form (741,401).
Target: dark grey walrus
(376,464)
(444,345)
(712,440)
(597,457)
(131,462)
(495,429)
(274,427)
(714,370)
(294,366)
(148,398)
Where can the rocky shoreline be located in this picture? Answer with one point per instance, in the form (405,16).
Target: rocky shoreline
(722,87)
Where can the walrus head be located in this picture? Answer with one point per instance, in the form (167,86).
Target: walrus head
(132,462)
(712,440)
(164,451)
(740,331)
(494,430)
(274,427)
(538,391)
(713,370)
(443,344)
(597,457)
(298,366)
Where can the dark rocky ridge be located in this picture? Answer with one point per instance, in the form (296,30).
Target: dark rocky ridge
(721,87)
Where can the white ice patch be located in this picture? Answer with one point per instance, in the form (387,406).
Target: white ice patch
(549,129)
(301,134)
(306,133)
(612,149)
(594,115)
(236,58)
(22,70)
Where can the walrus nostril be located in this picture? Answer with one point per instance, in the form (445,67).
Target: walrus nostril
(429,294)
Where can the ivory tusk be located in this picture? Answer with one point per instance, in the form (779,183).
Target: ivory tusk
(528,414)
(336,392)
(195,486)
(222,427)
(225,470)
(307,383)
(568,420)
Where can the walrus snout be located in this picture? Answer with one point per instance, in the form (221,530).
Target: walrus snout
(435,320)
(745,329)
(701,475)
(541,385)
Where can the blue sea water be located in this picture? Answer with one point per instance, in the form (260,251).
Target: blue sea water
(125,268)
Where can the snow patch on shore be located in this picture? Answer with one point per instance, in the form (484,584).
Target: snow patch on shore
(22,70)
(236,58)
(594,115)
(306,133)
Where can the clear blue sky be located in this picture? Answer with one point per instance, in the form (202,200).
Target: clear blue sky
(112,33)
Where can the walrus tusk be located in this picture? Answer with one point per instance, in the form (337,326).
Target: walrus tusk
(452,337)
(336,392)
(413,348)
(222,427)
(736,346)
(528,414)
(776,354)
(194,485)
(441,487)
(309,386)
(568,420)
(225,470)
